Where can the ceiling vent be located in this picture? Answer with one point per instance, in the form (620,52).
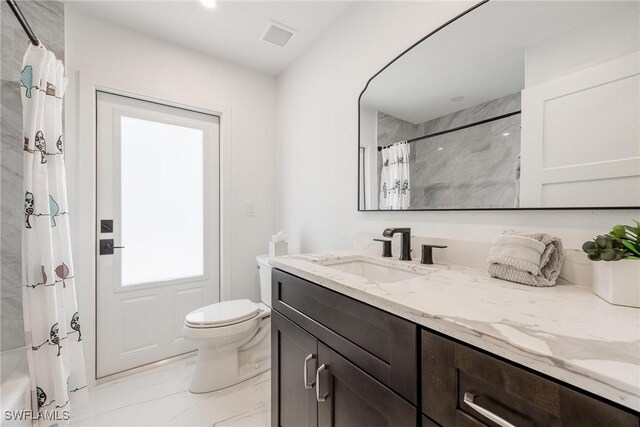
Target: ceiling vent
(277,33)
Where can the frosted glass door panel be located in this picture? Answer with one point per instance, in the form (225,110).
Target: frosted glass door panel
(162,201)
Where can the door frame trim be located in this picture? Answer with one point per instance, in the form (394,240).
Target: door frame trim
(81,157)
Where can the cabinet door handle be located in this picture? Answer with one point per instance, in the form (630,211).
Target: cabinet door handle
(469,400)
(321,397)
(305,370)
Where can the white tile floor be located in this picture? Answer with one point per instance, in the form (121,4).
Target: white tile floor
(159,397)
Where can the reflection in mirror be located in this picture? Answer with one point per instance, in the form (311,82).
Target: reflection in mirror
(522,104)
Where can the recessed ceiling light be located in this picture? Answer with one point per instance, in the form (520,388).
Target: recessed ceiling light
(440,148)
(506,134)
(457,99)
(209,3)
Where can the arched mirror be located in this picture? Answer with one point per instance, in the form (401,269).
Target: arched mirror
(512,105)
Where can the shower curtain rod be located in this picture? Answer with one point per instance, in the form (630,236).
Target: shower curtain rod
(23,21)
(481,122)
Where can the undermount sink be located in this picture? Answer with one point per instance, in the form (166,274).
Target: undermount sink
(373,271)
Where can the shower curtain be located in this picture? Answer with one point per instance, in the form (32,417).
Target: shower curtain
(395,191)
(51,319)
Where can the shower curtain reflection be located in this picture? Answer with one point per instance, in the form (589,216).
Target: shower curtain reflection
(395,190)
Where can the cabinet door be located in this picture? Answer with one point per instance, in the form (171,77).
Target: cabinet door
(293,401)
(348,397)
(464,387)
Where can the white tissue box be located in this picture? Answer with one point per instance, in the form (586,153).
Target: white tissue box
(617,282)
(278,248)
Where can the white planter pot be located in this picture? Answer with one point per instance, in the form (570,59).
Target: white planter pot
(617,282)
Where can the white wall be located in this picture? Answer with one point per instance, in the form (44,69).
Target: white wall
(102,54)
(613,35)
(317,140)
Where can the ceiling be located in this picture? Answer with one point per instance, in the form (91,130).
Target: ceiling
(480,57)
(230,31)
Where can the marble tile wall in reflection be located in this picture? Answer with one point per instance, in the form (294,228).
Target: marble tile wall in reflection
(470,168)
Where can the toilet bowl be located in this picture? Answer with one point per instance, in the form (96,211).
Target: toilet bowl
(233,338)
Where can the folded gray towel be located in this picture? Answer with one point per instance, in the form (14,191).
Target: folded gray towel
(514,259)
(520,252)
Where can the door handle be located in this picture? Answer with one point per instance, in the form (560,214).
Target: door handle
(107,247)
(305,370)
(322,397)
(469,399)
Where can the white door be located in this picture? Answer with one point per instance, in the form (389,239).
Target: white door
(581,138)
(157,228)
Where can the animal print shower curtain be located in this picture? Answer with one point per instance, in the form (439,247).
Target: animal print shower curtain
(395,191)
(51,319)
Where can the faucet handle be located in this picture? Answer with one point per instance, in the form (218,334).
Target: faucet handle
(427,253)
(386,247)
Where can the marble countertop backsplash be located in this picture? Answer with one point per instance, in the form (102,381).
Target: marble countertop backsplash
(564,331)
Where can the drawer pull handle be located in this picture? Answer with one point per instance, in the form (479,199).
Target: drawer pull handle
(321,397)
(469,400)
(307,385)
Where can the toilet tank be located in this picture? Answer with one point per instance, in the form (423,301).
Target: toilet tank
(265,279)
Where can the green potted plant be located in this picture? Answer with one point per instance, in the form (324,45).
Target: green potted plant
(616,272)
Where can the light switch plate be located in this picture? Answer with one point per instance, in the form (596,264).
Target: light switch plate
(251,209)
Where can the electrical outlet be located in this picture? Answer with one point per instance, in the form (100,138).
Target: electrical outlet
(251,209)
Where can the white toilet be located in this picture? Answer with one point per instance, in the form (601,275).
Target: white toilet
(233,338)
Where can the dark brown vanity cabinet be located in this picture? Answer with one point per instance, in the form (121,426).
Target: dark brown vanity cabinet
(330,391)
(339,362)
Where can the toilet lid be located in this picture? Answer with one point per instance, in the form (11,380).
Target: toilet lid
(223,313)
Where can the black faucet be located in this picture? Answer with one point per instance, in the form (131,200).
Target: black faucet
(405,249)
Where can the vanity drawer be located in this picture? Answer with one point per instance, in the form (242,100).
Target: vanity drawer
(379,343)
(451,370)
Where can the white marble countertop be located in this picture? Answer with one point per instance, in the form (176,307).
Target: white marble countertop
(564,331)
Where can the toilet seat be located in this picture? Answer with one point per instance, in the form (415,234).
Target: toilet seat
(222,314)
